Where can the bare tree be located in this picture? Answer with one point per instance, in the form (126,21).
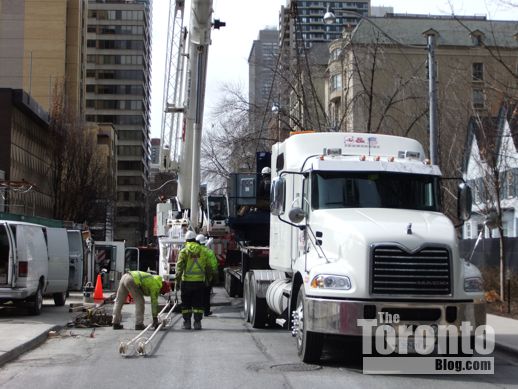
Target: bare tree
(492,165)
(82,187)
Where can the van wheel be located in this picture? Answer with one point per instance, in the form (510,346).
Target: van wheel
(309,344)
(60,298)
(36,302)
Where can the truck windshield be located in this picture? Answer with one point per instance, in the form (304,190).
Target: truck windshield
(374,190)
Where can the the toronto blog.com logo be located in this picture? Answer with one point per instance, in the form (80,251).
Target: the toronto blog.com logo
(391,347)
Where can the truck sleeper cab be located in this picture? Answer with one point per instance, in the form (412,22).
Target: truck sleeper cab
(357,231)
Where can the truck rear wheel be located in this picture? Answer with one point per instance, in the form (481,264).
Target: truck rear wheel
(309,344)
(246,297)
(258,307)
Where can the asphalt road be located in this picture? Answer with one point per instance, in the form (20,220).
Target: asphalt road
(227,353)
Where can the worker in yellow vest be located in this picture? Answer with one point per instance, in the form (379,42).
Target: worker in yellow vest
(138,284)
(193,270)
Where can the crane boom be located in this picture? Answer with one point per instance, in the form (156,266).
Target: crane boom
(173,88)
(199,41)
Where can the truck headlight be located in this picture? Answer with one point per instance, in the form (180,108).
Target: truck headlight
(331,282)
(473,284)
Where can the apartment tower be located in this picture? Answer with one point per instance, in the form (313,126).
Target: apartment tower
(118,70)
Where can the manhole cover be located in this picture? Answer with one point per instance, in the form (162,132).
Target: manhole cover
(294,367)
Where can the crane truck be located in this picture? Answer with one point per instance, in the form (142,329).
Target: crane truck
(182,125)
(356,231)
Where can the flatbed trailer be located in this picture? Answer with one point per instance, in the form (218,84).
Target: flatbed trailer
(252,257)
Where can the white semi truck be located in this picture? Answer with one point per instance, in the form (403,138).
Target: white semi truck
(356,231)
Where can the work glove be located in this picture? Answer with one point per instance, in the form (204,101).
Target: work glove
(155,323)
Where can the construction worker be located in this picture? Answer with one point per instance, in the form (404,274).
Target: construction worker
(204,243)
(138,284)
(193,269)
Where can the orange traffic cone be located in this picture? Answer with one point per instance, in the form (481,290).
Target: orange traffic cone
(98,292)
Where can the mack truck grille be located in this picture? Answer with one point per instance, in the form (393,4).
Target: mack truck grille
(425,272)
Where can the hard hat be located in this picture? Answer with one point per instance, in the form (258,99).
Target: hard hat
(266,170)
(201,239)
(190,235)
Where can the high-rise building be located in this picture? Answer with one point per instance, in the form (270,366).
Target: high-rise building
(302,22)
(40,50)
(261,70)
(301,27)
(118,70)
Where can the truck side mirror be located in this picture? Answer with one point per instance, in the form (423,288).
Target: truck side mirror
(465,202)
(277,191)
(296,215)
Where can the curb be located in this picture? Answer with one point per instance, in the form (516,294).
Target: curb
(10,355)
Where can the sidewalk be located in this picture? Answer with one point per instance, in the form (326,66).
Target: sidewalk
(20,333)
(506,331)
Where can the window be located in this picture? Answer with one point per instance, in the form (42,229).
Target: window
(478,71)
(374,190)
(335,82)
(478,98)
(468,230)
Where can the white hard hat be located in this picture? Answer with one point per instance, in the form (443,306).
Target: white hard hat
(190,235)
(266,170)
(201,239)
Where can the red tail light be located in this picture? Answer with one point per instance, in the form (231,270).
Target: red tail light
(22,269)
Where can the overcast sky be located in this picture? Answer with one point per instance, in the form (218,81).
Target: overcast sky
(228,54)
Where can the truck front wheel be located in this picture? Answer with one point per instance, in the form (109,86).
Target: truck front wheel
(309,344)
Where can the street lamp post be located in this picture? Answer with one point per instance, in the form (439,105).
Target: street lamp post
(330,18)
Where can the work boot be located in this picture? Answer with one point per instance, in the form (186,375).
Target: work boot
(187,325)
(140,327)
(197,325)
(118,326)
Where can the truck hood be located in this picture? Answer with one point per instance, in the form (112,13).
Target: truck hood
(365,226)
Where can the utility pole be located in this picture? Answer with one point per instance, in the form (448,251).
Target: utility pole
(432,95)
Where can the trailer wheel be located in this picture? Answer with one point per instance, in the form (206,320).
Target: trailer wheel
(309,344)
(36,302)
(59,299)
(246,297)
(258,306)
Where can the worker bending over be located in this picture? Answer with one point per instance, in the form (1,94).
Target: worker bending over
(193,269)
(138,284)
(207,246)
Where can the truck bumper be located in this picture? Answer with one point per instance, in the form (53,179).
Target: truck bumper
(340,317)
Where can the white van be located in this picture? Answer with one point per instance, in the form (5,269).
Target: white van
(29,268)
